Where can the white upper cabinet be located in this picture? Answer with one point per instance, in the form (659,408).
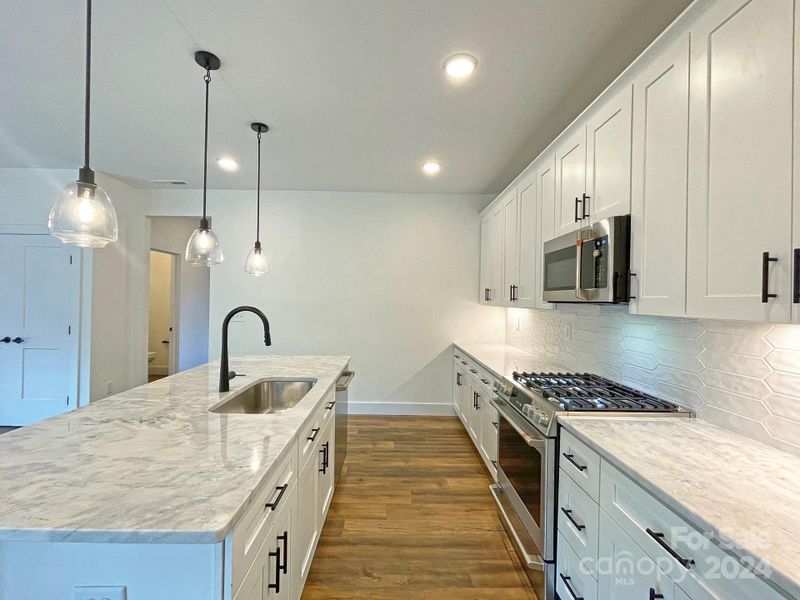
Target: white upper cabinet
(740,170)
(570,182)
(658,205)
(498,229)
(509,205)
(486,259)
(608,158)
(529,242)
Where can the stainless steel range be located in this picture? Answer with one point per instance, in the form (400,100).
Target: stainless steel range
(529,406)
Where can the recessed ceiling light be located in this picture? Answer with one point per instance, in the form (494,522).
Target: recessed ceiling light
(227,164)
(460,66)
(431,167)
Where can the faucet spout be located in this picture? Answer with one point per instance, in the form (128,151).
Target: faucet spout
(225,375)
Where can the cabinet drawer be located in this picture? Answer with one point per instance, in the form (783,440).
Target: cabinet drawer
(581,463)
(701,568)
(250,532)
(309,435)
(573,579)
(578,520)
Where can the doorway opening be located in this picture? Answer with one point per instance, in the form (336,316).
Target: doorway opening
(161,338)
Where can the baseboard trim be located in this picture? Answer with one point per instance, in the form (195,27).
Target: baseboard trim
(444,409)
(157,370)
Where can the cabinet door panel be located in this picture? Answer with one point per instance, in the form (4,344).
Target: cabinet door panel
(740,147)
(608,158)
(658,210)
(308,522)
(570,181)
(326,475)
(511,246)
(525,293)
(486,259)
(546,192)
(496,295)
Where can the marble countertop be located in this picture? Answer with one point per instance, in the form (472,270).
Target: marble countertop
(739,490)
(152,465)
(503,360)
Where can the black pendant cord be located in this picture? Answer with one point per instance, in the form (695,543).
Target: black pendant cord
(204,221)
(86,173)
(258,195)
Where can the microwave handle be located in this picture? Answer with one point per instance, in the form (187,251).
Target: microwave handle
(580,293)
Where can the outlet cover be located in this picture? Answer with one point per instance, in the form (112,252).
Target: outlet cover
(118,592)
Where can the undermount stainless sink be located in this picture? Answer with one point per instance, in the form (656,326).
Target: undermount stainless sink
(265,397)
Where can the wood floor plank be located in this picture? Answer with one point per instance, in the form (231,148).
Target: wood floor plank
(412,519)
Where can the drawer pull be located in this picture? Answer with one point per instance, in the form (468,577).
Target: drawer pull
(659,537)
(568,585)
(285,566)
(330,405)
(496,424)
(281,489)
(324,452)
(568,514)
(655,595)
(571,458)
(473,371)
(313,435)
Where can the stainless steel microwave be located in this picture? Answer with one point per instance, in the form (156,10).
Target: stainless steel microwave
(590,265)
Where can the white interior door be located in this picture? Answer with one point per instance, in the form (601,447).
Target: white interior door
(658,206)
(40,317)
(740,147)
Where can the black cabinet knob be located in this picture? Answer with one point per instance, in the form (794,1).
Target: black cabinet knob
(17,340)
(6,340)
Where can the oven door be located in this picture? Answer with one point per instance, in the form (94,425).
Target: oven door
(526,475)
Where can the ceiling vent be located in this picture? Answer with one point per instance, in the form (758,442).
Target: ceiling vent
(167,181)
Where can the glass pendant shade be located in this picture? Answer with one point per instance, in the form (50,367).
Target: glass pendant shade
(83,216)
(256,262)
(203,248)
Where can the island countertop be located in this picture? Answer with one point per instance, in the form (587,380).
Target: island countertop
(152,465)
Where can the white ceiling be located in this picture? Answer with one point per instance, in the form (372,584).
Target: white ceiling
(353,90)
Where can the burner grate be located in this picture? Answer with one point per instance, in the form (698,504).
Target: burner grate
(587,392)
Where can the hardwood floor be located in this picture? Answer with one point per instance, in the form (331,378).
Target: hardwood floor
(412,518)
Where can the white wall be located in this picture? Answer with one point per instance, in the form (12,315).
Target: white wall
(114,289)
(389,279)
(170,234)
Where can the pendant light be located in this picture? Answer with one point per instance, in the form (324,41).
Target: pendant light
(83,214)
(203,249)
(256,262)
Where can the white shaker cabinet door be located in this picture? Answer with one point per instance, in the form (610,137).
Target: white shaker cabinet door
(529,243)
(608,158)
(546,195)
(658,206)
(570,181)
(511,246)
(498,229)
(486,259)
(740,149)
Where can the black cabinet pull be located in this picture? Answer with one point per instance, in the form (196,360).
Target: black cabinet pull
(285,566)
(568,585)
(6,340)
(331,405)
(796,277)
(572,520)
(571,458)
(458,378)
(487,294)
(281,489)
(585,203)
(576,209)
(277,585)
(313,435)
(496,424)
(659,537)
(463,362)
(486,381)
(473,371)
(474,399)
(655,595)
(477,401)
(324,452)
(765,260)
(17,340)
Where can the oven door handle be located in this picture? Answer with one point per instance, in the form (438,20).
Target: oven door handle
(530,440)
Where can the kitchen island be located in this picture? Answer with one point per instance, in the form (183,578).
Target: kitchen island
(150,493)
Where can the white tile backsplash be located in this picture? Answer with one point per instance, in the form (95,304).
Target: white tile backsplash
(742,376)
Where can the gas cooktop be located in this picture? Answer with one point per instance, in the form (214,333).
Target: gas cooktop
(587,392)
(542,397)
